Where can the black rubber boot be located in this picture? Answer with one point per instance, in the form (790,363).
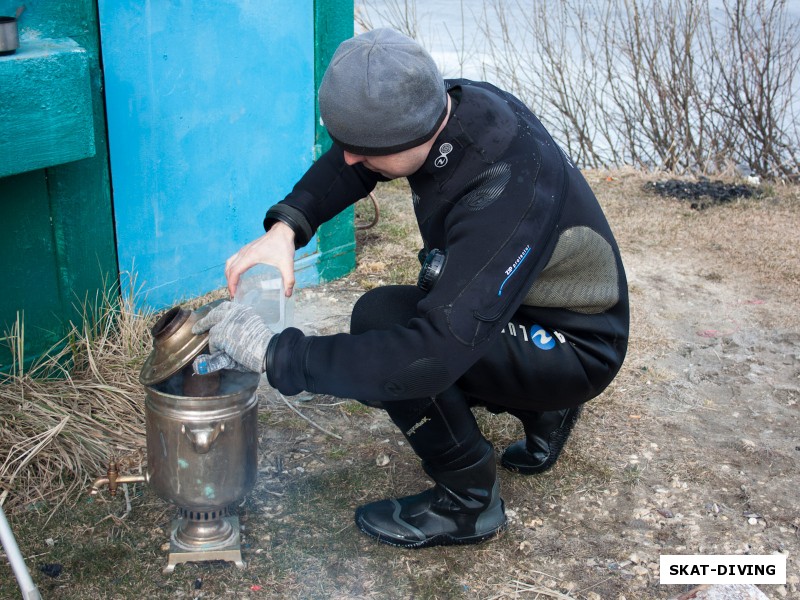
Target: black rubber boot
(464,507)
(545,436)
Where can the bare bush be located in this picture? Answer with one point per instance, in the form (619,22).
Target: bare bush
(666,85)
(400,15)
(675,85)
(758,55)
(569,100)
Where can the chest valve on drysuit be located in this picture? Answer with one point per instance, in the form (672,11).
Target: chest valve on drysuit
(432,267)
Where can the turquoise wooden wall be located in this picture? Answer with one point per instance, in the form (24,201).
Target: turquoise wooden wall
(56,229)
(333,24)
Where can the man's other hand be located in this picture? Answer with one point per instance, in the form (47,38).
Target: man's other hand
(239,332)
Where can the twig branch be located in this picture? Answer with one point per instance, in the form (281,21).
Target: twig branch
(320,427)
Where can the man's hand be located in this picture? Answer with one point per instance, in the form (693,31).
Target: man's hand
(276,248)
(239,332)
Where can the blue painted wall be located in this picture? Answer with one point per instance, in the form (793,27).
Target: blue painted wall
(210,121)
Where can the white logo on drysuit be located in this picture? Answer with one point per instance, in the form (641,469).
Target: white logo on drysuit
(542,339)
(444,150)
(416,426)
(538,335)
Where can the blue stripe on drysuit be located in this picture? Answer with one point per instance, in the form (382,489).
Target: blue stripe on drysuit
(514,270)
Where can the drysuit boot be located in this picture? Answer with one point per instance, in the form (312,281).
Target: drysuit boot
(464,507)
(546,434)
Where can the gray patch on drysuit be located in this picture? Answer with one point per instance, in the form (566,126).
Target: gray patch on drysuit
(423,377)
(581,274)
(487,187)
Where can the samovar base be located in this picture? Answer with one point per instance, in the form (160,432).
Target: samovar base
(230,550)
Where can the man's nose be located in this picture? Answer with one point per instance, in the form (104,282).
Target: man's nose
(352,159)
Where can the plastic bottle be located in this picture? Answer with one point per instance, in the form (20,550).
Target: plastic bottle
(205,364)
(262,288)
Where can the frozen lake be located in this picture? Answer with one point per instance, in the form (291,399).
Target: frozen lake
(455,31)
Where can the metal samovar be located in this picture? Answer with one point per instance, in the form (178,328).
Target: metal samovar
(202,442)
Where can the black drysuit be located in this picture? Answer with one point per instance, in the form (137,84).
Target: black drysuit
(531,308)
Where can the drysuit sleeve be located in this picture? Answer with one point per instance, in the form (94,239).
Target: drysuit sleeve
(327,188)
(499,234)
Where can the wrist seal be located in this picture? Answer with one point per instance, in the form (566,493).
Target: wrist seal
(294,218)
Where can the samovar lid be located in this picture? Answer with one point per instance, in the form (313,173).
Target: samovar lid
(174,344)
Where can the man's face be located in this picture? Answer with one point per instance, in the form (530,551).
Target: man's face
(401,164)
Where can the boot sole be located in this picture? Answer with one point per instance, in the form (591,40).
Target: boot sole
(526,470)
(443,539)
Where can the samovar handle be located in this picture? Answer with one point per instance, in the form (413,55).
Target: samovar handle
(203,437)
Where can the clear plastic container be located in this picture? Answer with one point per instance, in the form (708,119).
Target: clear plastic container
(262,288)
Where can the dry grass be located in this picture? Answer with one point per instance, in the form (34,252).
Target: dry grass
(387,252)
(63,418)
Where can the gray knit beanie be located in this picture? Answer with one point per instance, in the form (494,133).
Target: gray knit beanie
(381,94)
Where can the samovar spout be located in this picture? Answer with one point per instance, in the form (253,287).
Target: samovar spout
(114,479)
